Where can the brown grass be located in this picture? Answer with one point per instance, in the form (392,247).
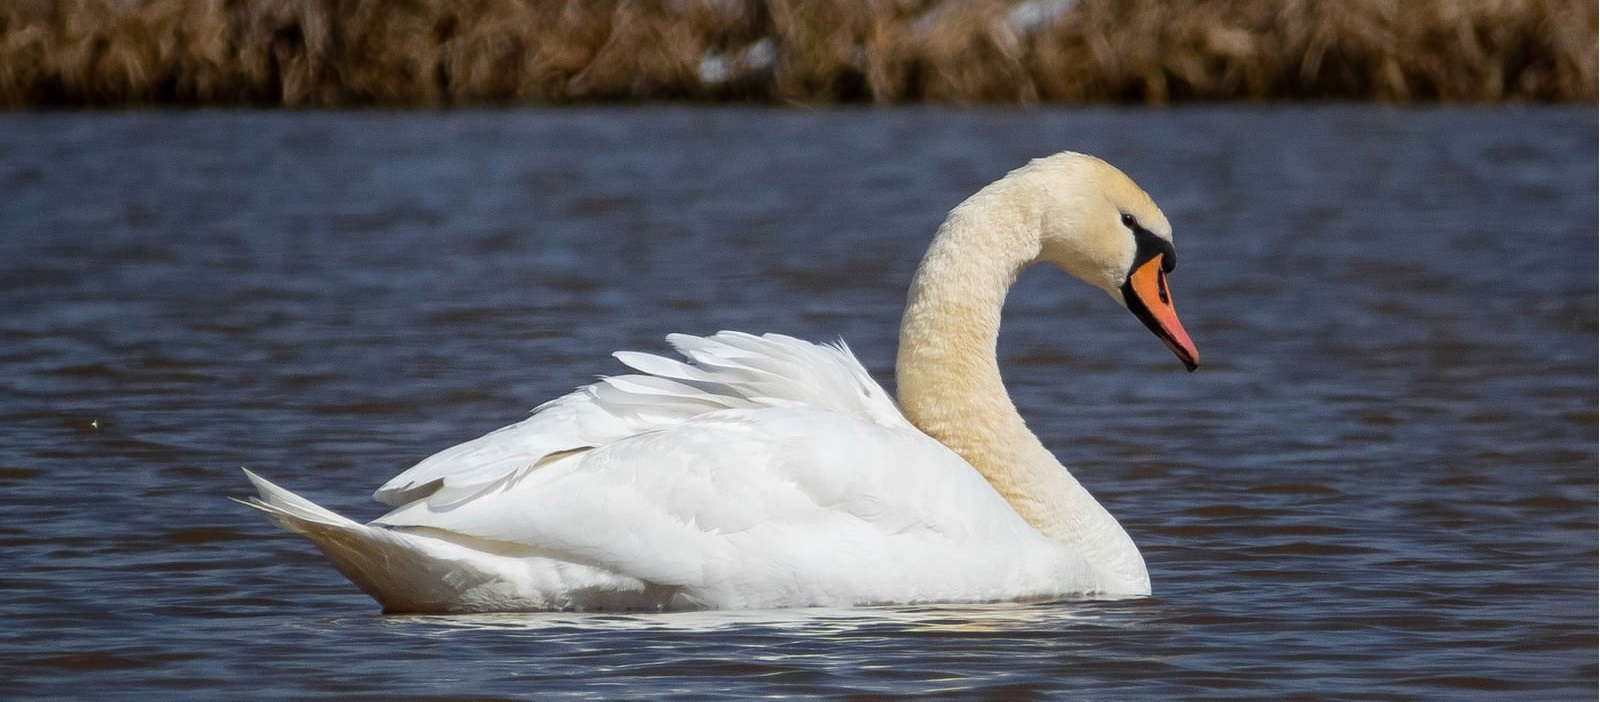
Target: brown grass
(330,53)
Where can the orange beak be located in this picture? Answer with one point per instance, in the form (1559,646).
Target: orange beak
(1146,295)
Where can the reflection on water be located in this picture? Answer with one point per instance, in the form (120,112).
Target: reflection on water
(828,622)
(1381,483)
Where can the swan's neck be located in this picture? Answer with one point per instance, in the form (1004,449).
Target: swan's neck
(950,387)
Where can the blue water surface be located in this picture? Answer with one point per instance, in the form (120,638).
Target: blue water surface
(1381,483)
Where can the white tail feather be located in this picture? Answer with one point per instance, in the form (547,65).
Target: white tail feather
(408,571)
(393,567)
(289,509)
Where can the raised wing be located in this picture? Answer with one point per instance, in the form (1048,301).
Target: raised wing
(727,370)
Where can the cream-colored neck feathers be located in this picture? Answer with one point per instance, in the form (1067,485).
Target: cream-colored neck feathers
(949,378)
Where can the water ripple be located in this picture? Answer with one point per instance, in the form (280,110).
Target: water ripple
(1381,486)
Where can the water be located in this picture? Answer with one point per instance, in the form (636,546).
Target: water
(1381,483)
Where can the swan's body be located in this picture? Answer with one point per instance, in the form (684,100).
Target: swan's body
(772,472)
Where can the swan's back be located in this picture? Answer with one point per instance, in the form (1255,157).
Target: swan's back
(728,370)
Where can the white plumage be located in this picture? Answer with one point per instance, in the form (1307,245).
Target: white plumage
(762,471)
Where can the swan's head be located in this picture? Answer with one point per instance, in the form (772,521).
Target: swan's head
(1097,225)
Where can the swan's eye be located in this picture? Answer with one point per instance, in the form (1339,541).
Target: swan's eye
(1129,222)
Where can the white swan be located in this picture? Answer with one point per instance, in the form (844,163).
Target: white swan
(772,472)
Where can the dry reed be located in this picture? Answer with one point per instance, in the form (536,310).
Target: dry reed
(329,53)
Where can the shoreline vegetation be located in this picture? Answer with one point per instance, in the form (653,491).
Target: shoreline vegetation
(424,53)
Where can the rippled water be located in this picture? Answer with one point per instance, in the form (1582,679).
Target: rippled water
(1382,483)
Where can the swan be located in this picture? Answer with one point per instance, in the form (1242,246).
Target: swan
(768,472)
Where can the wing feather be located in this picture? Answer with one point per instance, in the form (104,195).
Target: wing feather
(724,371)
(787,505)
